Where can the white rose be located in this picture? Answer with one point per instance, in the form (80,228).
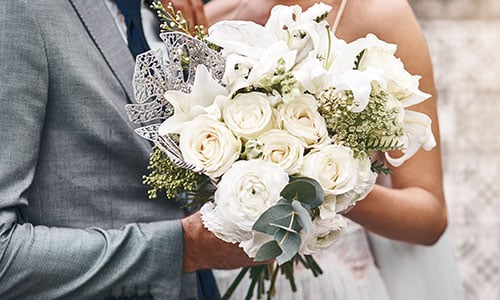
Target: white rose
(244,192)
(365,181)
(301,118)
(283,149)
(335,169)
(249,115)
(325,232)
(208,144)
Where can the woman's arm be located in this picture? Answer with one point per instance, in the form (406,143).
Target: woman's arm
(414,209)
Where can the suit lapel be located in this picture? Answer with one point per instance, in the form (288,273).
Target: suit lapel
(103,31)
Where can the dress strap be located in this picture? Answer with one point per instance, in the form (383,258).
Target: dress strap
(338,16)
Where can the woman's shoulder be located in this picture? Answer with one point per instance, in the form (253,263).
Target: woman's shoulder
(387,19)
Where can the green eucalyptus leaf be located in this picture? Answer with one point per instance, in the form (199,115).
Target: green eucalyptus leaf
(277,214)
(303,216)
(289,243)
(268,251)
(304,189)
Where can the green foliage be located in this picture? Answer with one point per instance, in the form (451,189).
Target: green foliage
(172,20)
(287,218)
(305,190)
(268,251)
(377,128)
(380,168)
(173,180)
(358,59)
(259,275)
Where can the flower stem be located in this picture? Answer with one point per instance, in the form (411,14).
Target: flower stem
(235,283)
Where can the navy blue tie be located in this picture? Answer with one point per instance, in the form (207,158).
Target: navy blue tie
(131,10)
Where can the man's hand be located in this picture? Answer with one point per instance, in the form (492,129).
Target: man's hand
(192,10)
(203,250)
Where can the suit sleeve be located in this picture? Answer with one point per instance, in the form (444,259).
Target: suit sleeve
(38,262)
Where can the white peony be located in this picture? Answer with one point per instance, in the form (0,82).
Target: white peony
(301,118)
(335,169)
(283,149)
(243,194)
(325,232)
(249,115)
(209,145)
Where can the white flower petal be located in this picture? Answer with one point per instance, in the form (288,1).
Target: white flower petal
(242,37)
(418,133)
(205,88)
(360,85)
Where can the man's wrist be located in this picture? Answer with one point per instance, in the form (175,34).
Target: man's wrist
(192,258)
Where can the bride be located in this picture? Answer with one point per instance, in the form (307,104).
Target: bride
(379,257)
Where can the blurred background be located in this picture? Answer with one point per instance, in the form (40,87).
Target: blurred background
(464,40)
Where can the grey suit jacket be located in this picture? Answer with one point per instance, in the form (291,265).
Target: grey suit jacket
(71,163)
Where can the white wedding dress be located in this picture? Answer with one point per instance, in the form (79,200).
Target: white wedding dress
(349,273)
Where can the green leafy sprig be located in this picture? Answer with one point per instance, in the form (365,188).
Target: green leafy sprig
(173,20)
(376,128)
(380,168)
(176,182)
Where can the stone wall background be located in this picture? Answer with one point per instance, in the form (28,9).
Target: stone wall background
(464,40)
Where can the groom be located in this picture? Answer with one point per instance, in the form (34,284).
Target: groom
(75,222)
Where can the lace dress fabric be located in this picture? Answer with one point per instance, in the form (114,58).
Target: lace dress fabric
(349,273)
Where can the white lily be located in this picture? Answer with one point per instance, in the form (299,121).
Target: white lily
(379,58)
(269,61)
(360,85)
(205,98)
(418,133)
(241,37)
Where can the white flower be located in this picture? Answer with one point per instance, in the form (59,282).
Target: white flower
(205,92)
(283,149)
(241,37)
(237,69)
(357,82)
(300,29)
(249,115)
(311,75)
(380,59)
(417,133)
(335,169)
(364,184)
(208,144)
(325,232)
(244,192)
(301,118)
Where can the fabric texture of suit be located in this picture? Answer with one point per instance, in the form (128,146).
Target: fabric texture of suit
(75,221)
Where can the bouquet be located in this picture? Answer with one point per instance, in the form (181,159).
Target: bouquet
(272,128)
